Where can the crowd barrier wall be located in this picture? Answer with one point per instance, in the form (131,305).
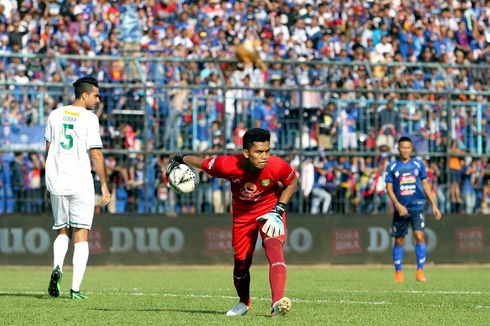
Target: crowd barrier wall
(206,239)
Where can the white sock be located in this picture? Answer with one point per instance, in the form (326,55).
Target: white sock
(60,247)
(80,258)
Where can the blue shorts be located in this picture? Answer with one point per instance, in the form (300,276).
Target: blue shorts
(399,227)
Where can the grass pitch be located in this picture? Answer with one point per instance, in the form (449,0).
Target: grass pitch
(201,295)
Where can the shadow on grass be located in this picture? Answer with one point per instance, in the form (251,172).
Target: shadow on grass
(192,311)
(30,295)
(209,312)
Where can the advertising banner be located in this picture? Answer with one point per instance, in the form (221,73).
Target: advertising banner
(197,239)
(22,138)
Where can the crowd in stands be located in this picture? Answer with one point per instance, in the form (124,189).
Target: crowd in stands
(328,184)
(347,54)
(344,31)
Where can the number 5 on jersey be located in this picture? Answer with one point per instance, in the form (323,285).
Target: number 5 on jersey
(67,143)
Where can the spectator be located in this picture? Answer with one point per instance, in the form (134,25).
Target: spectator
(456,169)
(18,182)
(326,126)
(321,197)
(389,122)
(469,183)
(130,34)
(179,102)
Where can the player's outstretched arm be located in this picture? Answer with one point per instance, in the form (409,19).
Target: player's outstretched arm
(191,160)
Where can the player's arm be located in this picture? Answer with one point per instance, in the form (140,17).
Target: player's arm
(288,192)
(402,210)
(428,192)
(193,161)
(48,144)
(99,167)
(274,225)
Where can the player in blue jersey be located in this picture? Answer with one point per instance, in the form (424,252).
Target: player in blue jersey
(409,189)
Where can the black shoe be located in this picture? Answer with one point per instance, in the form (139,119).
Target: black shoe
(55,282)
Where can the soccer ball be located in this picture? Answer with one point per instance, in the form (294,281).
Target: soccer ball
(183,179)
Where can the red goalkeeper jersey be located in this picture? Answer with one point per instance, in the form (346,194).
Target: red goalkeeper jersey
(254,193)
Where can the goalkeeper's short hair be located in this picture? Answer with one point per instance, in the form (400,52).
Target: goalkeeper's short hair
(255,135)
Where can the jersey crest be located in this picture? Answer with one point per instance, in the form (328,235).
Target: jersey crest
(265,182)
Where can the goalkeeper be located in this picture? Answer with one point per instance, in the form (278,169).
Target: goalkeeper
(261,187)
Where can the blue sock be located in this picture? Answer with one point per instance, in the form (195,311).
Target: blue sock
(420,254)
(398,257)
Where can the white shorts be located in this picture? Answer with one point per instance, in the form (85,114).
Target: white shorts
(73,211)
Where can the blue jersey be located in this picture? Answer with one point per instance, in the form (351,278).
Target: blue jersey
(407,184)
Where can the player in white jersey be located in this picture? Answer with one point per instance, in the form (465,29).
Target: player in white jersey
(72,142)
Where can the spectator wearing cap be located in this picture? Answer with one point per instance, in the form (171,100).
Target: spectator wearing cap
(61,33)
(21,74)
(418,81)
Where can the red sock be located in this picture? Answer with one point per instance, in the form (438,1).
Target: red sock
(241,279)
(277,268)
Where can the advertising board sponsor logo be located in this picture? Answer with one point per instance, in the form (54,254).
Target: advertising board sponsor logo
(346,241)
(146,240)
(96,241)
(217,240)
(381,241)
(470,240)
(35,241)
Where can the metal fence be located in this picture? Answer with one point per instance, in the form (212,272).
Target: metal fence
(154,107)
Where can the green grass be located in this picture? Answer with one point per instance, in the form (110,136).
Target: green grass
(200,295)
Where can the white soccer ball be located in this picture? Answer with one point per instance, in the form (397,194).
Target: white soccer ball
(183,179)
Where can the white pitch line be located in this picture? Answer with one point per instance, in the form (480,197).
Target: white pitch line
(407,291)
(207,296)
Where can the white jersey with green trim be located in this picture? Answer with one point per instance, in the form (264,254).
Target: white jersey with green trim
(72,132)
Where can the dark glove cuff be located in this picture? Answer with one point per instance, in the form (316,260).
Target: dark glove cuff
(179,158)
(280,208)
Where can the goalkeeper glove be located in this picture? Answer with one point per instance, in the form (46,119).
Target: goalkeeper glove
(273,225)
(174,162)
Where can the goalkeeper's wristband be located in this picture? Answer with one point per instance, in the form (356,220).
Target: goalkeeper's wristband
(280,208)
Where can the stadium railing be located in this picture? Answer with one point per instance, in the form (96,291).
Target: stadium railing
(141,126)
